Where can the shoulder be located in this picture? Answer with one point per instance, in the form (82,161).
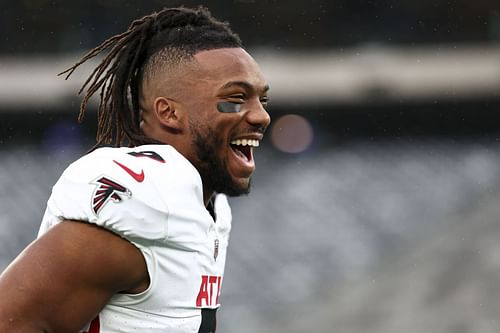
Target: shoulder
(126,190)
(110,159)
(143,165)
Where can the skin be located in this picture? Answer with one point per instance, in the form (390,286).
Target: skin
(59,283)
(63,279)
(191,106)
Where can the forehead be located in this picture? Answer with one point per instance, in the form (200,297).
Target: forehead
(221,66)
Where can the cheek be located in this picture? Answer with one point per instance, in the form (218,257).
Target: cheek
(208,119)
(221,123)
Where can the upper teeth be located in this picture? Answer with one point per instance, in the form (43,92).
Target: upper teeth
(245,142)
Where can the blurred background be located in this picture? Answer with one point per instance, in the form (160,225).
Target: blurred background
(376,203)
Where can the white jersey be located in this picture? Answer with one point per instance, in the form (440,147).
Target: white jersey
(152,196)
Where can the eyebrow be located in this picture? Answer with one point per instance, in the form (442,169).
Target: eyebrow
(244,85)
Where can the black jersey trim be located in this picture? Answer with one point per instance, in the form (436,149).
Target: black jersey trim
(208,321)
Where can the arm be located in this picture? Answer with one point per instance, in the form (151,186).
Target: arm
(63,279)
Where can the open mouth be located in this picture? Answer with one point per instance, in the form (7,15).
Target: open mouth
(243,148)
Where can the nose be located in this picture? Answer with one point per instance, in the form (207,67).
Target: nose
(258,116)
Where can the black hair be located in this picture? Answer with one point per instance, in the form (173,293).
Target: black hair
(162,38)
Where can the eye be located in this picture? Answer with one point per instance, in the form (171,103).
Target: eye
(237,98)
(264,100)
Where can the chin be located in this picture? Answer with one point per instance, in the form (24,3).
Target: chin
(237,188)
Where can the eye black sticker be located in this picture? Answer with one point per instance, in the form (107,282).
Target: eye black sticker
(228,107)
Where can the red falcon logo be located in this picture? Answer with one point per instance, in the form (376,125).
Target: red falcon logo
(106,190)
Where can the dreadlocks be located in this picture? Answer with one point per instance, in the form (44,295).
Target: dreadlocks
(164,38)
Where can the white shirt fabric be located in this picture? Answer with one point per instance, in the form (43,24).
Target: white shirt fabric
(152,196)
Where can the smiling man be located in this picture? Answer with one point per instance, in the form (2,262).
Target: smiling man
(134,237)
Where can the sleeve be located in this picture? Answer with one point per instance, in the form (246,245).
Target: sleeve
(97,190)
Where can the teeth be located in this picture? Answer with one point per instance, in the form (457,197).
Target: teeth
(245,142)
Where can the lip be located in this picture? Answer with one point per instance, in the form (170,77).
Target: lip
(252,136)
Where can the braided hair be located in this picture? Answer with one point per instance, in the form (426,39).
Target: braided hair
(159,39)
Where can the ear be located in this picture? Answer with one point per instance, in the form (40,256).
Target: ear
(169,114)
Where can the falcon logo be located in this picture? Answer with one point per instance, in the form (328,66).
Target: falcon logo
(106,190)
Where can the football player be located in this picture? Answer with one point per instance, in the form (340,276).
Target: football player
(134,236)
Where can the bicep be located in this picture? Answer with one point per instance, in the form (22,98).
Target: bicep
(64,278)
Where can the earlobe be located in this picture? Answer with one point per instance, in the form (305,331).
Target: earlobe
(168,113)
